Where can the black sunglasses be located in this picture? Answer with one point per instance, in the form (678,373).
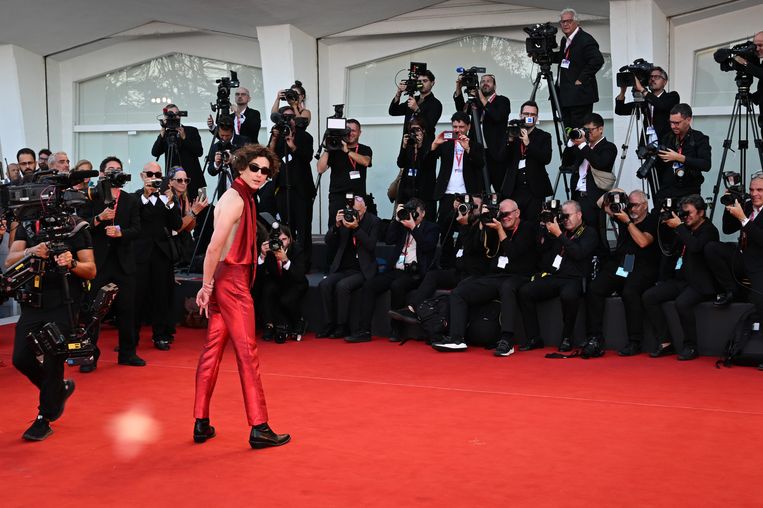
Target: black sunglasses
(254,168)
(182,180)
(152,174)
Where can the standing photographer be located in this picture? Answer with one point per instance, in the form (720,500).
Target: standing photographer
(295,97)
(493,112)
(658,102)
(526,180)
(755,68)
(48,375)
(219,155)
(425,106)
(417,179)
(246,121)
(182,144)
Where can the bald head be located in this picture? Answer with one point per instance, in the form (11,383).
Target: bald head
(152,166)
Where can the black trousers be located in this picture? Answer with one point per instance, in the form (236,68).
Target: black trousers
(630,288)
(572,116)
(481,290)
(686,299)
(397,282)
(569,292)
(124,305)
(154,296)
(434,280)
(496,172)
(48,377)
(336,294)
(727,265)
(281,302)
(529,205)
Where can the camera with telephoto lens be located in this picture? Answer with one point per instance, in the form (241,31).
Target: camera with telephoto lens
(616,202)
(640,69)
(540,42)
(349,212)
(412,85)
(469,78)
(669,206)
(733,182)
(650,155)
(465,204)
(578,133)
(117,179)
(290,95)
(274,237)
(552,209)
(725,56)
(407,212)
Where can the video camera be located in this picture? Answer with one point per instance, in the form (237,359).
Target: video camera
(616,201)
(223,93)
(517,124)
(469,78)
(412,85)
(669,206)
(336,130)
(737,192)
(725,56)
(541,42)
(171,120)
(640,69)
(349,213)
(552,209)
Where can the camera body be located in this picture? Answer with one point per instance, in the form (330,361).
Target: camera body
(274,238)
(118,179)
(469,78)
(412,85)
(737,192)
(465,204)
(552,209)
(407,212)
(639,70)
(669,206)
(649,154)
(540,42)
(517,124)
(349,213)
(578,133)
(616,202)
(725,56)
(336,132)
(171,120)
(490,210)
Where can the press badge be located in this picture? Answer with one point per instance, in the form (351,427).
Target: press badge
(460,253)
(412,172)
(557,262)
(354,175)
(679,263)
(621,272)
(677,165)
(502,262)
(651,134)
(522,163)
(565,64)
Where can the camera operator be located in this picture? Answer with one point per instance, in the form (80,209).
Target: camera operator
(579,60)
(219,155)
(353,239)
(509,269)
(245,120)
(461,163)
(658,101)
(281,276)
(526,180)
(349,167)
(631,270)
(294,187)
(187,151)
(42,159)
(295,98)
(494,111)
(730,263)
(189,212)
(155,257)
(417,179)
(114,228)
(684,154)
(756,69)
(415,244)
(565,264)
(425,106)
(591,159)
(688,280)
(469,259)
(48,375)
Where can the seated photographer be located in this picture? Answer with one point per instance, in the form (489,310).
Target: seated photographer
(182,144)
(189,212)
(417,177)
(565,264)
(155,258)
(687,279)
(74,256)
(415,243)
(528,152)
(657,102)
(353,240)
(470,250)
(219,155)
(510,268)
(630,270)
(590,159)
(295,97)
(425,106)
(684,155)
(731,263)
(282,281)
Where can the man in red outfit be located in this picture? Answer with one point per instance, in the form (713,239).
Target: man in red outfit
(229,268)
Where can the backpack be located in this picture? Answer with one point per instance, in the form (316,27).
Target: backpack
(745,347)
(433,316)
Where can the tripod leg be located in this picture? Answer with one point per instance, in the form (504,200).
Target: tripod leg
(736,111)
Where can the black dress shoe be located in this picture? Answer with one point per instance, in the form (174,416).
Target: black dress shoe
(689,352)
(69,387)
(162,345)
(661,350)
(326,331)
(88,367)
(262,436)
(565,345)
(39,430)
(132,361)
(632,349)
(532,344)
(724,298)
(202,430)
(340,332)
(359,337)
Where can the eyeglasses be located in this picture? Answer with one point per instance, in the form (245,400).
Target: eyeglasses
(181,180)
(255,168)
(152,174)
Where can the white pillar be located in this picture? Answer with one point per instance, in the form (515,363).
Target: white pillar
(638,29)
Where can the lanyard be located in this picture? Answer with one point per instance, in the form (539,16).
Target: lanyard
(116,204)
(680,143)
(459,157)
(522,149)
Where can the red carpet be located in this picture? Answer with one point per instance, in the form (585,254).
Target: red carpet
(381,425)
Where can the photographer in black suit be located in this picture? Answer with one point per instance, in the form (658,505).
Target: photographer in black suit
(415,243)
(755,68)
(494,110)
(245,120)
(656,100)
(417,179)
(527,181)
(686,279)
(579,60)
(730,263)
(155,256)
(187,148)
(219,155)
(114,228)
(353,240)
(425,106)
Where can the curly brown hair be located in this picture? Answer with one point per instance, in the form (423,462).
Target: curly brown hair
(242,156)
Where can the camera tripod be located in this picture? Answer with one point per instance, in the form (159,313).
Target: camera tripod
(546,73)
(640,118)
(740,118)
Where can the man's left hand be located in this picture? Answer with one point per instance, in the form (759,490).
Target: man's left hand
(412,104)
(671,156)
(64,259)
(736,211)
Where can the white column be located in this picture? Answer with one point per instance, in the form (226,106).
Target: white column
(638,29)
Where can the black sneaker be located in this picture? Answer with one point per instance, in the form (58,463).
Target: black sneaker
(39,430)
(503,348)
(69,387)
(448,345)
(632,349)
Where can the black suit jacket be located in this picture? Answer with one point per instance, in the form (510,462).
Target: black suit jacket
(694,266)
(366,236)
(189,150)
(494,122)
(660,109)
(473,164)
(537,156)
(250,128)
(752,254)
(156,221)
(421,183)
(696,148)
(222,185)
(128,219)
(294,277)
(576,251)
(585,61)
(426,235)
(601,157)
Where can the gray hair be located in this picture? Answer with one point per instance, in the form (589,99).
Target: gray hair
(571,11)
(641,194)
(574,204)
(757,176)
